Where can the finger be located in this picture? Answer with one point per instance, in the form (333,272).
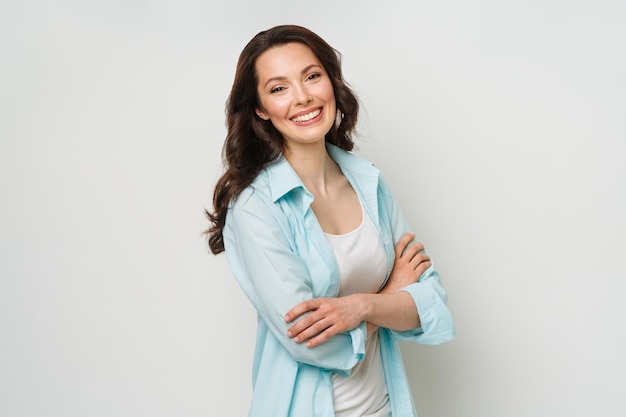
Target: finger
(303,324)
(322,337)
(412,251)
(301,308)
(421,263)
(422,268)
(312,331)
(403,243)
(418,259)
(419,246)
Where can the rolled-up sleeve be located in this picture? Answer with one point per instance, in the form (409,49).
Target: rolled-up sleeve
(437,325)
(436,321)
(262,256)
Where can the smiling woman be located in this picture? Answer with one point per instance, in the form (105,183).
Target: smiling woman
(299,101)
(317,241)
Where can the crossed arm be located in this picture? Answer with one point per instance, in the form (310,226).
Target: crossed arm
(318,319)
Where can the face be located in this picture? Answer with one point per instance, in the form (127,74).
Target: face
(295,94)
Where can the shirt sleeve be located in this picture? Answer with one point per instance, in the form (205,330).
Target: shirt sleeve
(437,325)
(263,259)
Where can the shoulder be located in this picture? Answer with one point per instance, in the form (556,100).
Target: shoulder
(250,210)
(268,189)
(258,192)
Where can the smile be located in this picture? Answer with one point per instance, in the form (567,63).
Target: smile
(308,116)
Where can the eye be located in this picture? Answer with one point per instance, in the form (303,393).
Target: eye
(313,76)
(277,89)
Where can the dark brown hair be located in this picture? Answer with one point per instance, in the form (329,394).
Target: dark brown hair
(251,142)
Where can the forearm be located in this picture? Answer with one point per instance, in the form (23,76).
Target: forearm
(395,311)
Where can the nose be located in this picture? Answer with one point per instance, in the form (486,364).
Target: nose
(302,95)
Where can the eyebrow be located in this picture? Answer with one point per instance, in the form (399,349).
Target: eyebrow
(282,77)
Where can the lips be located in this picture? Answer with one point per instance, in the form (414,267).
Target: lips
(308,116)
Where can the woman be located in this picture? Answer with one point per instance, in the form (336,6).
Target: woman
(317,241)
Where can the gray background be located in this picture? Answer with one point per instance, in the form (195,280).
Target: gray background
(500,125)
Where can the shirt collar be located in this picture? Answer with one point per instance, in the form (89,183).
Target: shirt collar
(350,162)
(282,178)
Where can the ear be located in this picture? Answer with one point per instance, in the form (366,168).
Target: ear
(262,114)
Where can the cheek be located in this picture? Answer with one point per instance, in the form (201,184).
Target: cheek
(277,106)
(329,92)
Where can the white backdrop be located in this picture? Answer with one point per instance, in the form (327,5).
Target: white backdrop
(500,125)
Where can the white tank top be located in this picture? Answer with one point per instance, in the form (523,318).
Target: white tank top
(362,267)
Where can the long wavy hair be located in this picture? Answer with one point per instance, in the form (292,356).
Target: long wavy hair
(251,142)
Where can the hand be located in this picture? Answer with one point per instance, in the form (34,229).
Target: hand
(327,317)
(409,265)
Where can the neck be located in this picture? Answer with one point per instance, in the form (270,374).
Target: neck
(313,165)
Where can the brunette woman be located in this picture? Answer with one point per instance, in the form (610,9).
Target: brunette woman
(317,241)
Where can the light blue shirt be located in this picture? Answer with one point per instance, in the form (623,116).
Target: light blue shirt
(279,254)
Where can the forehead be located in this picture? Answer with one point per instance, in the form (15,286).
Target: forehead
(285,60)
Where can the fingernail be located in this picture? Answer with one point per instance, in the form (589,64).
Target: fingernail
(289,334)
(296,339)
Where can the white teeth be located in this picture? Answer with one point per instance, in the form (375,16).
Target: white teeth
(307,117)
